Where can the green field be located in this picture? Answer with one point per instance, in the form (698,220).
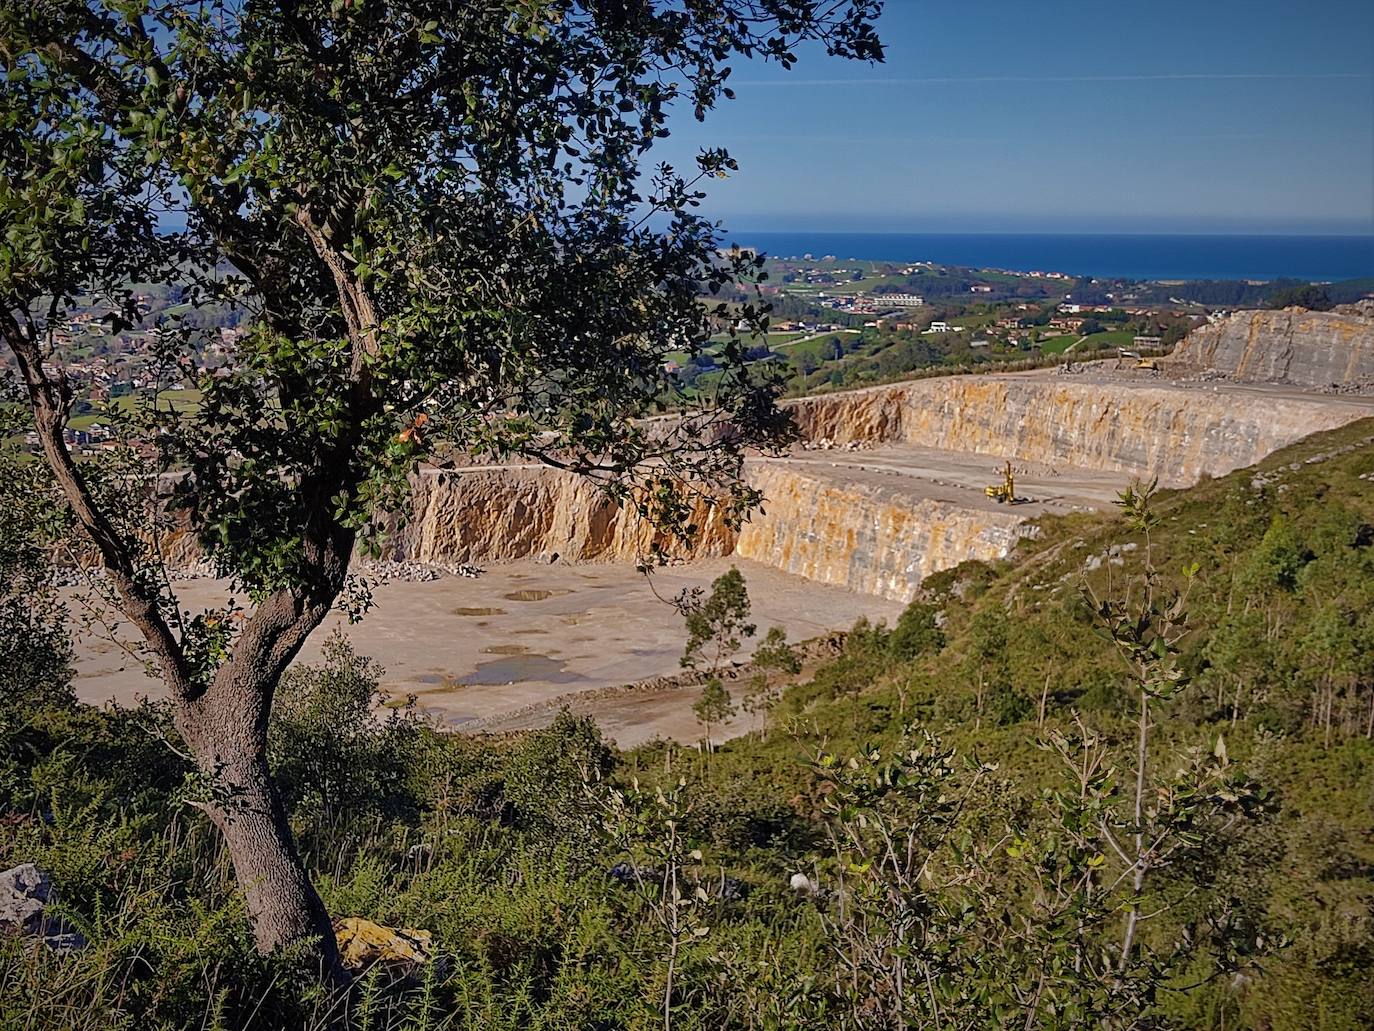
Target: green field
(1111,338)
(1060,344)
(180,400)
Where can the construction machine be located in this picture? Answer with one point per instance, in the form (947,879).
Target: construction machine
(1147,363)
(1004,492)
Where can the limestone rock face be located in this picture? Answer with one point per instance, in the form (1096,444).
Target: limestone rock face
(506,514)
(875,540)
(1306,348)
(1175,434)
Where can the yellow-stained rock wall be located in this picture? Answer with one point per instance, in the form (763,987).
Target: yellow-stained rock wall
(881,540)
(1176,434)
(868,539)
(503,514)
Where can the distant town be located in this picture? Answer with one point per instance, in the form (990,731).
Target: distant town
(835,323)
(847,322)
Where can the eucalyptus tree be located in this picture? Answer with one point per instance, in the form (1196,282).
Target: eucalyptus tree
(442,221)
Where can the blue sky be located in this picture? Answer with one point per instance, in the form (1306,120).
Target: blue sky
(1072,116)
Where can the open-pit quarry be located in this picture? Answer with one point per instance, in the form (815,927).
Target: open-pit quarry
(885,486)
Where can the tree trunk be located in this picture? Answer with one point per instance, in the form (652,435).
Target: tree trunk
(978,703)
(227,735)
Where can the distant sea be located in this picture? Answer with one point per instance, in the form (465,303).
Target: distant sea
(1318,258)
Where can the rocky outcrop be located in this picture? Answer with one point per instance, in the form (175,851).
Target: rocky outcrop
(1177,434)
(1305,348)
(399,952)
(26,896)
(876,540)
(511,513)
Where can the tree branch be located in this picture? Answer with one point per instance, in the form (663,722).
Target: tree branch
(137,601)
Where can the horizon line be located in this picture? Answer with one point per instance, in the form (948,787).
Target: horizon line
(1143,77)
(1360,234)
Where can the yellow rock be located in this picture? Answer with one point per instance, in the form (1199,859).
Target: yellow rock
(363,944)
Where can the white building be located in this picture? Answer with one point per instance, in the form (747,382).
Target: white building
(899,300)
(939,327)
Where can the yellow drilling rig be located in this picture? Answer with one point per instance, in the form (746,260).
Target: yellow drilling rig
(1004,492)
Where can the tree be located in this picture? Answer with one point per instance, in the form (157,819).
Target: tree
(988,634)
(438,217)
(805,362)
(718,623)
(336,749)
(714,706)
(1146,635)
(773,656)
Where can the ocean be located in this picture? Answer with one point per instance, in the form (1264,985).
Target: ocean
(1317,258)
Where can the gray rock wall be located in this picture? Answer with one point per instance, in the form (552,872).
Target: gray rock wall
(1318,349)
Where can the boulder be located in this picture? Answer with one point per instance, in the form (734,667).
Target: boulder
(364,944)
(25,895)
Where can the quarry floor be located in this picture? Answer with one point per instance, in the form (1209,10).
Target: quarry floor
(508,649)
(525,634)
(959,478)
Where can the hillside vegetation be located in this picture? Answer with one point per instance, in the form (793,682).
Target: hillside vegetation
(950,825)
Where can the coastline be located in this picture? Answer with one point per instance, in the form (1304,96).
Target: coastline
(1143,257)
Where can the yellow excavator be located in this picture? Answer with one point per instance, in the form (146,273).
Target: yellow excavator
(1004,492)
(1139,360)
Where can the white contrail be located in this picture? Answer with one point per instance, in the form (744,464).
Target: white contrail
(966,79)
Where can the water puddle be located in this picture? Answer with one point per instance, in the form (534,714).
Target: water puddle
(506,649)
(478,612)
(514,669)
(531,594)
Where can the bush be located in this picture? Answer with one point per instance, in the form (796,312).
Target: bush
(546,778)
(916,633)
(333,756)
